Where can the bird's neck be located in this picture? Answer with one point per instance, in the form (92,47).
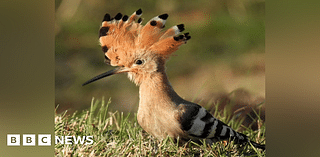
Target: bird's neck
(158,107)
(156,89)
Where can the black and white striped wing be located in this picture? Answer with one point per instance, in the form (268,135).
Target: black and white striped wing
(199,123)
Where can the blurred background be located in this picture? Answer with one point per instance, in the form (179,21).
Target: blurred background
(223,63)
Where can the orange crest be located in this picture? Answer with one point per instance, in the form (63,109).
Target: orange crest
(122,37)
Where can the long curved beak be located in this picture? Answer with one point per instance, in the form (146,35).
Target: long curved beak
(106,74)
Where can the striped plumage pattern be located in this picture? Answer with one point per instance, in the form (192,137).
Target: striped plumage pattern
(200,124)
(142,51)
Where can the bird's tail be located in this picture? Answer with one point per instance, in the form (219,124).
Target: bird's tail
(260,146)
(240,138)
(237,137)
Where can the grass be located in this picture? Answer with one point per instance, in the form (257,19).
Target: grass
(115,134)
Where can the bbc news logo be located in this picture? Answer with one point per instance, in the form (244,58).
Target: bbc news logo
(45,140)
(28,140)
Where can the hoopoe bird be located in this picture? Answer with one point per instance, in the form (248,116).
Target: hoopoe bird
(142,52)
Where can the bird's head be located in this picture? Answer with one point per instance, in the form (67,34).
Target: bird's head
(135,49)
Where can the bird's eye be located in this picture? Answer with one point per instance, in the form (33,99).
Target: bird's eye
(139,62)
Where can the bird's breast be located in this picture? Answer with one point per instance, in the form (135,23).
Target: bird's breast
(159,122)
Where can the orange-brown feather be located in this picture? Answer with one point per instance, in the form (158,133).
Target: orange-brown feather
(166,46)
(149,35)
(125,39)
(168,33)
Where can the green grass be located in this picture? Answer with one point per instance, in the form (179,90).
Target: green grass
(115,134)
